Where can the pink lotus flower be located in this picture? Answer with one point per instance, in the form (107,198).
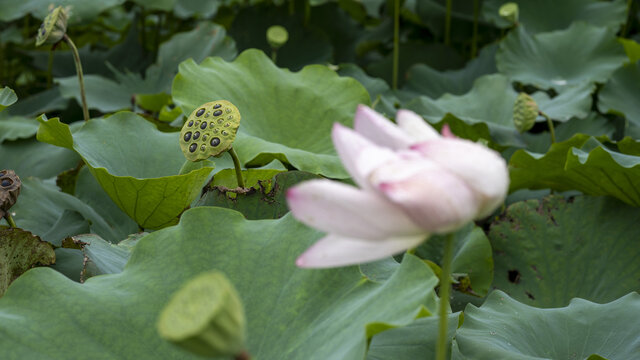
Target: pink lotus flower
(412,183)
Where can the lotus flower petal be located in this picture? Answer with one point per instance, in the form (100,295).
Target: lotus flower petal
(380,130)
(359,155)
(335,250)
(480,167)
(338,208)
(415,127)
(436,199)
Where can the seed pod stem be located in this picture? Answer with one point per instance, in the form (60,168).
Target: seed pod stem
(9,219)
(445,289)
(551,129)
(236,164)
(76,59)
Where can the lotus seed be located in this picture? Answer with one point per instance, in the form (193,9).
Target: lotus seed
(207,114)
(203,125)
(202,147)
(230,117)
(216,106)
(190,123)
(6,182)
(224,133)
(217,113)
(196,135)
(187,136)
(205,137)
(215,141)
(228,110)
(226,125)
(193,147)
(200,112)
(219,121)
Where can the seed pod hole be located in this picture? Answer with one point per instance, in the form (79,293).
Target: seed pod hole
(196,135)
(193,147)
(217,113)
(200,112)
(215,141)
(187,136)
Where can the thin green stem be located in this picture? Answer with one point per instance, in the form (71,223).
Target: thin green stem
(396,42)
(307,12)
(474,39)
(50,70)
(10,220)
(445,289)
(627,24)
(292,7)
(551,129)
(447,24)
(76,59)
(274,55)
(236,164)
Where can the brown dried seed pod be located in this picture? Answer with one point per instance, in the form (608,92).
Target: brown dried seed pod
(9,190)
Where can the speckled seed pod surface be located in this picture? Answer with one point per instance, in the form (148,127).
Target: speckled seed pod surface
(210,130)
(53,27)
(9,190)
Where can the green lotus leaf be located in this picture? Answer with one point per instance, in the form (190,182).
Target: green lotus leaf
(581,163)
(206,39)
(541,60)
(81,11)
(472,260)
(427,81)
(29,157)
(632,48)
(620,95)
(20,251)
(103,257)
(266,200)
(549,15)
(375,86)
(37,104)
(298,313)
(414,341)
(136,164)
(549,251)
(17,127)
(102,94)
(285,116)
(7,97)
(53,215)
(503,328)
(491,102)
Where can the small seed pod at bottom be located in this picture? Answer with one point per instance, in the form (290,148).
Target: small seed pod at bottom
(210,130)
(525,112)
(510,12)
(277,36)
(205,317)
(9,190)
(53,27)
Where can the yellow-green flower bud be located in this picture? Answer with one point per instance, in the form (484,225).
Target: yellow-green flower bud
(510,12)
(210,130)
(525,112)
(53,27)
(277,36)
(205,317)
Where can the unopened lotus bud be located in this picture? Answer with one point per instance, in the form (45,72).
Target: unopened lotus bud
(210,130)
(9,190)
(509,11)
(525,112)
(53,27)
(277,36)
(205,317)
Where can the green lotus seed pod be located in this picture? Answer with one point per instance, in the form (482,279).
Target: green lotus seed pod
(509,11)
(205,317)
(210,130)
(277,36)
(53,27)
(525,112)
